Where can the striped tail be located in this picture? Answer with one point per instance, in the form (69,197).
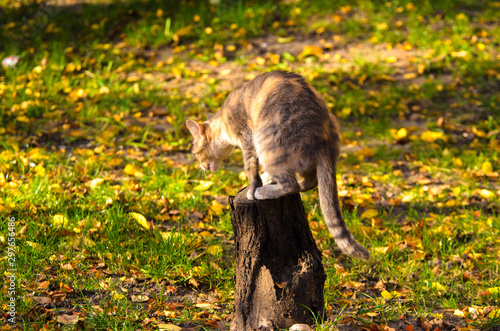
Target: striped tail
(329,202)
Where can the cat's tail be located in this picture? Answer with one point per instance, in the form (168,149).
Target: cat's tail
(329,202)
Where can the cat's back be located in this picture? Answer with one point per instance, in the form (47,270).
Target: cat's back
(288,117)
(286,101)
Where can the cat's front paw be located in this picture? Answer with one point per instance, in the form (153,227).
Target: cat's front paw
(251,194)
(261,193)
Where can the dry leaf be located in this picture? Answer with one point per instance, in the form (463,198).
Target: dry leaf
(168,327)
(369,213)
(311,51)
(133,170)
(140,298)
(204,185)
(141,220)
(67,319)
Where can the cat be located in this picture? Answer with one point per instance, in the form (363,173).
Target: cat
(280,122)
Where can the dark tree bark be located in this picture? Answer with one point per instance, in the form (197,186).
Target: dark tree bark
(278,270)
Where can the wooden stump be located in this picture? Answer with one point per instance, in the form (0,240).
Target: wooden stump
(278,270)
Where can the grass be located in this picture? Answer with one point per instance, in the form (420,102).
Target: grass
(117,228)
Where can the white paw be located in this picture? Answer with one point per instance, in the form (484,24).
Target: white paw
(250,195)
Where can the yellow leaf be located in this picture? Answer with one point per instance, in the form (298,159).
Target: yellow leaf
(39,169)
(23,119)
(117,295)
(494,290)
(59,220)
(345,112)
(432,136)
(479,133)
(494,314)
(382,26)
(34,245)
(216,208)
(204,185)
(459,313)
(311,50)
(399,134)
(437,286)
(391,59)
(410,75)
(457,162)
(206,234)
(133,170)
(141,220)
(214,250)
(487,194)
(369,213)
(104,90)
(242,176)
(390,295)
(183,31)
(285,40)
(419,255)
(94,182)
(381,250)
(487,167)
(260,60)
(421,68)
(168,327)
(365,152)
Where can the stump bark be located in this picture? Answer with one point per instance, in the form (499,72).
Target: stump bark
(278,272)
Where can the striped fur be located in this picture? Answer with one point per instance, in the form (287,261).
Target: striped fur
(281,123)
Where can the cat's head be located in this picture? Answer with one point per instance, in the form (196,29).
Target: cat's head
(209,149)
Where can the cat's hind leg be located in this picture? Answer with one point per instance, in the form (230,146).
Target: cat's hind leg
(310,180)
(284,185)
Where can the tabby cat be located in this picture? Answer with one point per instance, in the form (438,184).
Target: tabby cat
(281,123)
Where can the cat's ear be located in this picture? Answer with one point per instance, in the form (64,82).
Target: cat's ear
(209,116)
(196,129)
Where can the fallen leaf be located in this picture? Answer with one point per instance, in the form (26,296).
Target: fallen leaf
(94,182)
(168,327)
(214,249)
(140,298)
(133,170)
(67,319)
(204,185)
(311,51)
(391,59)
(141,220)
(59,220)
(67,267)
(285,40)
(390,295)
(216,208)
(487,167)
(432,136)
(487,194)
(369,213)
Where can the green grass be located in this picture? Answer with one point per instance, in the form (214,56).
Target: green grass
(94,144)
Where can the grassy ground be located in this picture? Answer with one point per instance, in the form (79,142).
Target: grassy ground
(115,226)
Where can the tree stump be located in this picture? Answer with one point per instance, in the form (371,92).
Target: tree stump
(278,272)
